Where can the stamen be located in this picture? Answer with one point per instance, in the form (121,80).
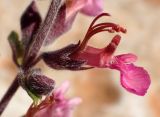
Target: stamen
(99,16)
(101,27)
(112,28)
(115,27)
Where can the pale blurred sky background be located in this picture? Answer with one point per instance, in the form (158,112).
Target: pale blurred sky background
(100,88)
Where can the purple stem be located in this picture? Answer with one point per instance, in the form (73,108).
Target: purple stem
(8,95)
(42,33)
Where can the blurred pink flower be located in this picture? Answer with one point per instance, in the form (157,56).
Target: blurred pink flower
(55,105)
(88,7)
(67,14)
(93,7)
(134,79)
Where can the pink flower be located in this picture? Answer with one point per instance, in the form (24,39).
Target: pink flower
(55,105)
(73,57)
(134,79)
(67,14)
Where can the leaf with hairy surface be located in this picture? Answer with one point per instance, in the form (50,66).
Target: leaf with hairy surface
(42,33)
(30,22)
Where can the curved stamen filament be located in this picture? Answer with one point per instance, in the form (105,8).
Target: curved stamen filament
(101,27)
(85,41)
(115,27)
(99,16)
(112,28)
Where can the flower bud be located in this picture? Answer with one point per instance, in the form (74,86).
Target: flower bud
(39,84)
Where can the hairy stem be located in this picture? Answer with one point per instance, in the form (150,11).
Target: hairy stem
(8,95)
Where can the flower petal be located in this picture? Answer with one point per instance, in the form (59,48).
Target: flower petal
(55,105)
(91,55)
(67,15)
(127,58)
(73,6)
(135,79)
(74,102)
(93,7)
(98,57)
(59,92)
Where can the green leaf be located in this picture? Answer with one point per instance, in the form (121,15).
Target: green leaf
(16,46)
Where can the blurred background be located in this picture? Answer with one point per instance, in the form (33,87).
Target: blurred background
(100,89)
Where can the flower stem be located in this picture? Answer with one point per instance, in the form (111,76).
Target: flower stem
(8,95)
